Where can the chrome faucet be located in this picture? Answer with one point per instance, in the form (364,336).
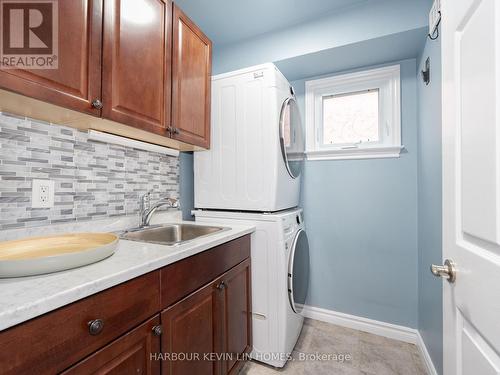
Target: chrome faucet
(147,211)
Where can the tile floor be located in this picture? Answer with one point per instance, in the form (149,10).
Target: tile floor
(370,354)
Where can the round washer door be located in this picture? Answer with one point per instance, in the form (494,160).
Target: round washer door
(291,137)
(298,271)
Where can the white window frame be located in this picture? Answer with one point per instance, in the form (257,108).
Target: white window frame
(388,81)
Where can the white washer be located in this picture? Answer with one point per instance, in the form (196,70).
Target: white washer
(280,277)
(257,144)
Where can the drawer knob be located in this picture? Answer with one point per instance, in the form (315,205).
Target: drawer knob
(157,330)
(221,286)
(95,326)
(97,104)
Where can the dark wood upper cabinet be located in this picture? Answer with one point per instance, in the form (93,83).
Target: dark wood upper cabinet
(139,63)
(77,80)
(136,63)
(133,353)
(191,77)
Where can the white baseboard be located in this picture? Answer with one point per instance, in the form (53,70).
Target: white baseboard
(431,370)
(375,327)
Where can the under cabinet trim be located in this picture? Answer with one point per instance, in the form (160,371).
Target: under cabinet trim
(127,142)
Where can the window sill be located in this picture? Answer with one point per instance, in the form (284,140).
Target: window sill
(356,153)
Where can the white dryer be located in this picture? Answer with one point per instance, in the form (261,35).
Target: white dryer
(280,278)
(257,144)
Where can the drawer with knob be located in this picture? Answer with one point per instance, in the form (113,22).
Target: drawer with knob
(184,277)
(53,342)
(136,352)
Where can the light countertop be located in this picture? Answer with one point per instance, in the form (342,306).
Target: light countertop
(24,298)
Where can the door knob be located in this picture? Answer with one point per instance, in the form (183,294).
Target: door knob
(447,271)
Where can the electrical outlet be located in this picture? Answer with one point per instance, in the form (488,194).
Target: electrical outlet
(42,194)
(434,16)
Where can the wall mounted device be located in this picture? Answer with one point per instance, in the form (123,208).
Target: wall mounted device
(426,73)
(42,194)
(434,19)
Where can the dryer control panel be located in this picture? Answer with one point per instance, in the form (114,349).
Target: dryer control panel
(292,224)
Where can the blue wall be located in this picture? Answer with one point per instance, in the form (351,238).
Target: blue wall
(361,218)
(186,184)
(430,322)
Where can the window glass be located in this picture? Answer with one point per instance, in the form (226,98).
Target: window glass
(351,118)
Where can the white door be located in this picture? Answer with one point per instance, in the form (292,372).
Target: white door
(471,185)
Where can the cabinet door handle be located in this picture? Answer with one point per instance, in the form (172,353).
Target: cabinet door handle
(157,330)
(221,286)
(95,326)
(172,130)
(97,104)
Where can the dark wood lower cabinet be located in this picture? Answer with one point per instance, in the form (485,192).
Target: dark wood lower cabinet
(55,341)
(180,279)
(204,312)
(209,331)
(191,330)
(237,321)
(137,352)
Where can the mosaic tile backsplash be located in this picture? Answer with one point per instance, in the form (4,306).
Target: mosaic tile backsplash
(92,179)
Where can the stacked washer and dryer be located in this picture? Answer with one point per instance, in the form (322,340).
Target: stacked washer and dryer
(251,175)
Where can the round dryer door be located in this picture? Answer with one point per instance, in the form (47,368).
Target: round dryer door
(298,271)
(291,137)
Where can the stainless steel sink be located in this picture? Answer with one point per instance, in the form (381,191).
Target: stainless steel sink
(170,234)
